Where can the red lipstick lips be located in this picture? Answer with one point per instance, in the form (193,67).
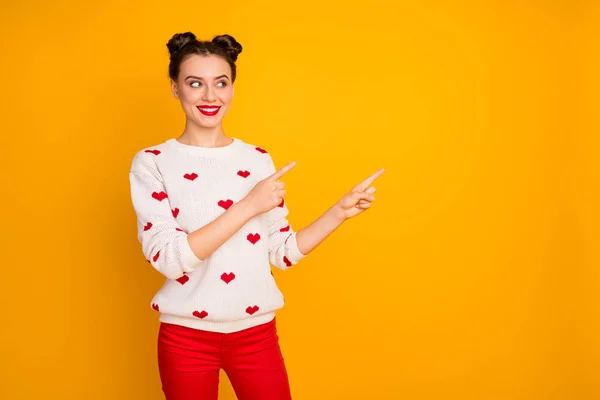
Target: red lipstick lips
(209,111)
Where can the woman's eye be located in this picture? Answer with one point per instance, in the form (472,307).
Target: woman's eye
(198,84)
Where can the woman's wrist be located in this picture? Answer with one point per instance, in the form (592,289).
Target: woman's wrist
(337,211)
(244,208)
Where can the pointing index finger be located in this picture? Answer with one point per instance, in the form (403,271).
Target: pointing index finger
(367,182)
(282,171)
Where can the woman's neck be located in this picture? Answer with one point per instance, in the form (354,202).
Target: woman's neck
(204,137)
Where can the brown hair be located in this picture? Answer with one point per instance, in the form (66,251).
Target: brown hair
(183,45)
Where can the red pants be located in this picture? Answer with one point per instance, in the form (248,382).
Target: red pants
(189,361)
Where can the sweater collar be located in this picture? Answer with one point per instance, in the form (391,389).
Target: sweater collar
(216,152)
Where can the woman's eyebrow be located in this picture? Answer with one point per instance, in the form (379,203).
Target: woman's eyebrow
(197,77)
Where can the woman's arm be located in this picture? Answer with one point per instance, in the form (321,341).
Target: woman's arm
(165,245)
(309,237)
(206,240)
(262,198)
(355,202)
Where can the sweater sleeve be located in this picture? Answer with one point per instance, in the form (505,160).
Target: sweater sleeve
(164,244)
(283,248)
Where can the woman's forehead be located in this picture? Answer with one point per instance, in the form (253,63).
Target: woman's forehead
(209,66)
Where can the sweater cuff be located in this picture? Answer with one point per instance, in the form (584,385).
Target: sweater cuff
(292,247)
(189,260)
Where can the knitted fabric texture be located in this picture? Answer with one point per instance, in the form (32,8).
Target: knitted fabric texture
(177,189)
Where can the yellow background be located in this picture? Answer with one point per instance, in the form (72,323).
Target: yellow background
(475,274)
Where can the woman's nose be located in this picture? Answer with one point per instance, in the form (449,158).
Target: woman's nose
(209,94)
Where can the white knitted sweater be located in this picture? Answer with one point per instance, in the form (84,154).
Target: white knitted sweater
(178,188)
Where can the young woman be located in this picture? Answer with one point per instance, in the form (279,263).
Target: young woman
(212,219)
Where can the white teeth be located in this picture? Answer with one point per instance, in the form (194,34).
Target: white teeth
(209,109)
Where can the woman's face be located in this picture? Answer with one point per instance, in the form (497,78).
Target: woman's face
(204,89)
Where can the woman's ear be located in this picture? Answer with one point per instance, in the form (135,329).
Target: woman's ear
(174,89)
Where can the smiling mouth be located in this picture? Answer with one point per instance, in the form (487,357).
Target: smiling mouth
(209,110)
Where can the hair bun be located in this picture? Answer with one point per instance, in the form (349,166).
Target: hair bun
(231,46)
(179,40)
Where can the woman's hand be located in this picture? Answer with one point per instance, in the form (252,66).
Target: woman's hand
(359,198)
(268,193)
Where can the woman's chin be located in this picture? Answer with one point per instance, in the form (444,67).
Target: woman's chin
(208,122)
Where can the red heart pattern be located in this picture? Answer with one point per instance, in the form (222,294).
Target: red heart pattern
(252,310)
(160,196)
(227,277)
(191,176)
(225,204)
(253,237)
